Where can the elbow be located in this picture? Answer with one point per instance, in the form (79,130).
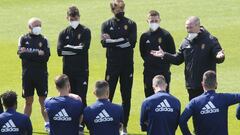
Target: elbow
(221,60)
(177,63)
(103,44)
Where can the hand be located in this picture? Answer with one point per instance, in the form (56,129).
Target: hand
(105,36)
(159,53)
(40,53)
(22,50)
(220,54)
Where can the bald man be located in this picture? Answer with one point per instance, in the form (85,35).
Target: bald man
(34,52)
(200,51)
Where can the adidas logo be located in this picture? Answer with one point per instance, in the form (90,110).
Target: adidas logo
(103,116)
(147,41)
(67,37)
(111,28)
(209,108)
(164,106)
(9,127)
(62,116)
(27,43)
(85,83)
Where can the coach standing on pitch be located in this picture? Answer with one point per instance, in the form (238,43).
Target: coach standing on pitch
(119,35)
(151,40)
(200,51)
(73,45)
(33,49)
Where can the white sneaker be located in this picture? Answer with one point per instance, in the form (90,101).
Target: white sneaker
(81,129)
(123,131)
(47,127)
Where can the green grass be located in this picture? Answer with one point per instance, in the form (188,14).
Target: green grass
(220,17)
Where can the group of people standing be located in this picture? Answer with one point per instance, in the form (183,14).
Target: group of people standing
(160,113)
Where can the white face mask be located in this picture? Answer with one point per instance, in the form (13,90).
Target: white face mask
(154,26)
(36,30)
(74,24)
(191,36)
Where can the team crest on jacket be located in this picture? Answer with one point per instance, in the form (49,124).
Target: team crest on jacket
(79,36)
(203,46)
(40,44)
(125,27)
(160,40)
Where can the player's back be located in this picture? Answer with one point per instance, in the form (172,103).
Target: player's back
(64,114)
(211,112)
(162,111)
(14,123)
(103,118)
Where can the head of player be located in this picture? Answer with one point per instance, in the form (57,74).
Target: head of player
(159,83)
(12,122)
(9,99)
(73,16)
(153,20)
(209,81)
(117,8)
(35,25)
(101,90)
(63,86)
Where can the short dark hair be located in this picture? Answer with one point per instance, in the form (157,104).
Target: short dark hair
(73,11)
(61,81)
(210,79)
(101,87)
(153,13)
(9,99)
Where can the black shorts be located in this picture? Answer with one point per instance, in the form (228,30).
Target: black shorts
(32,80)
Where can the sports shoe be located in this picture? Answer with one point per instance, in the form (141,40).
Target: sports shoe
(47,127)
(81,129)
(123,131)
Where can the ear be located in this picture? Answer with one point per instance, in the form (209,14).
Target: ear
(166,85)
(107,93)
(30,27)
(94,92)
